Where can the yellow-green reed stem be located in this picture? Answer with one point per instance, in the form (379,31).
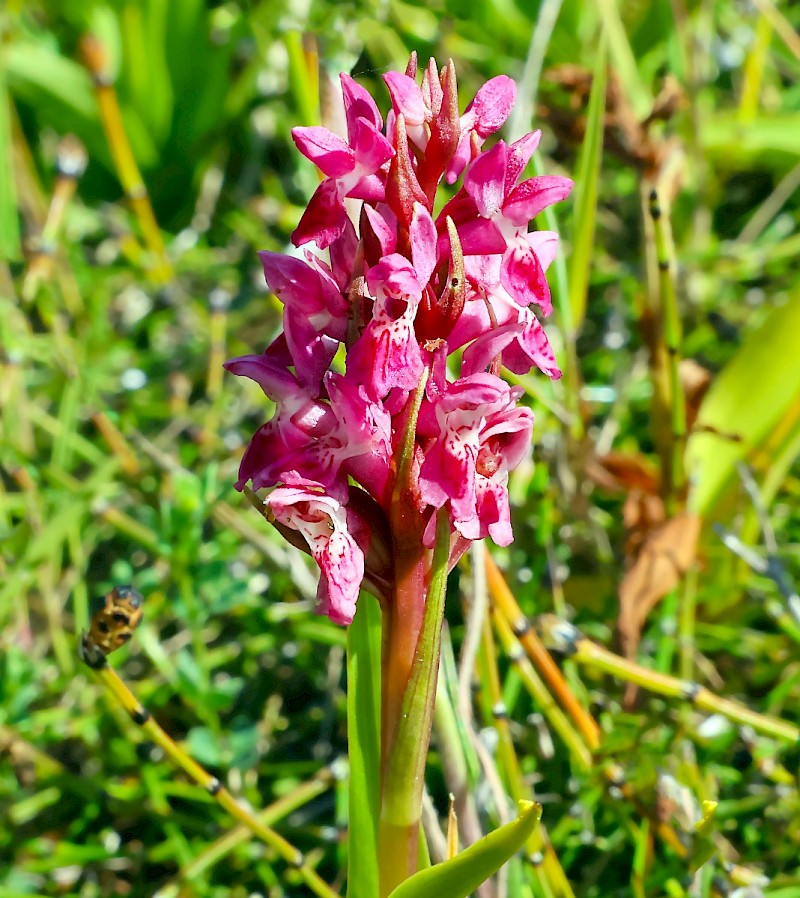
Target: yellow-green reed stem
(640,859)
(49,572)
(71,163)
(304,75)
(124,523)
(541,695)
(783,618)
(48,575)
(586,194)
(506,604)
(94,58)
(686,625)
(218,327)
(15,402)
(9,203)
(75,441)
(119,520)
(568,639)
(753,70)
(783,28)
(550,874)
(674,474)
(273,813)
(140,716)
(117,443)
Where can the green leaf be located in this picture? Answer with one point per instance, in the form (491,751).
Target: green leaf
(461,875)
(9,223)
(364,748)
(625,62)
(703,847)
(767,141)
(756,391)
(59,91)
(586,190)
(147,74)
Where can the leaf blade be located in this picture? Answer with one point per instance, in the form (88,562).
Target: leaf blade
(460,876)
(737,416)
(363,727)
(587,185)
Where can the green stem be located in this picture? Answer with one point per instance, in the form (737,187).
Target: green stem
(403,615)
(674,474)
(406,751)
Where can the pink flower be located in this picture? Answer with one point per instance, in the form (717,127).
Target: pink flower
(399,299)
(492,202)
(322,522)
(350,165)
(315,316)
(477,434)
(517,333)
(322,439)
(484,115)
(281,445)
(388,355)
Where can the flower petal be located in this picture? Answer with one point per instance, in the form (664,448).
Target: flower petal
(322,522)
(522,275)
(531,197)
(422,234)
(324,219)
(493,104)
(485,180)
(358,104)
(325,149)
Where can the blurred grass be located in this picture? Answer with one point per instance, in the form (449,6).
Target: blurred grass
(120,446)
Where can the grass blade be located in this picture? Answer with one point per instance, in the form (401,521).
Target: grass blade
(363,727)
(586,190)
(9,224)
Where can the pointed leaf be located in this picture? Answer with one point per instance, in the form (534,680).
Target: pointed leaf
(753,397)
(586,192)
(460,876)
(9,223)
(363,727)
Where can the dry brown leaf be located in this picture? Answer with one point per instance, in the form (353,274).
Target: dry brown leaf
(695,380)
(666,554)
(623,471)
(641,514)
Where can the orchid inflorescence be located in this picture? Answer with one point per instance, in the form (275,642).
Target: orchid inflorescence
(428,310)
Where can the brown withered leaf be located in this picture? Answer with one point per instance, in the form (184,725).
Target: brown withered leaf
(566,90)
(641,513)
(623,471)
(695,380)
(665,556)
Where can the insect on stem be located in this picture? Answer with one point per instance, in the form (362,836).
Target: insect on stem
(111,627)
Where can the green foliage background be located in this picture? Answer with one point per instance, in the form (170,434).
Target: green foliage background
(230,660)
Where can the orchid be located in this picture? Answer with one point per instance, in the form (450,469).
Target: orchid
(386,471)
